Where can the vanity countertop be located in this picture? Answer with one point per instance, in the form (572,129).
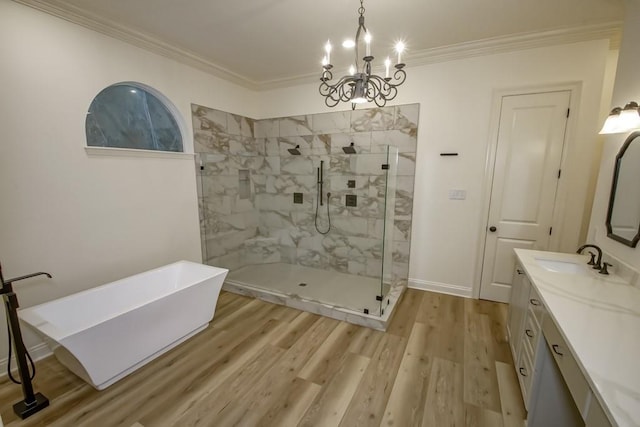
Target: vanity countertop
(599,318)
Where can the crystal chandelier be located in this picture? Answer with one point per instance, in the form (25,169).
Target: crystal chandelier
(361,85)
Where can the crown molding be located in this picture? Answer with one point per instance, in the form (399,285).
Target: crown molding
(490,46)
(504,44)
(611,31)
(71,13)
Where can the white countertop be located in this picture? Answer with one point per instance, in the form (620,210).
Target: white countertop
(599,318)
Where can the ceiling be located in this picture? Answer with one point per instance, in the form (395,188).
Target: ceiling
(260,43)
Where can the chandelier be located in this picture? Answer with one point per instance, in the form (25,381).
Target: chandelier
(360,85)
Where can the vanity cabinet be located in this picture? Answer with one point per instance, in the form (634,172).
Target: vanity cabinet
(526,312)
(554,389)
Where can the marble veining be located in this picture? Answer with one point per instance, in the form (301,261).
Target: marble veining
(406,119)
(268,227)
(208,119)
(238,125)
(296,126)
(336,122)
(267,128)
(372,119)
(406,143)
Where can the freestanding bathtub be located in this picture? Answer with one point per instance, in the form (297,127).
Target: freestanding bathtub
(105,333)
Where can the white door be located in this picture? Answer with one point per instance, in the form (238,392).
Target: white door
(525,179)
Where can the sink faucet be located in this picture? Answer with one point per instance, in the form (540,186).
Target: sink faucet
(598,264)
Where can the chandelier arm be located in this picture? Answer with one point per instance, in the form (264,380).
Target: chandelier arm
(373,88)
(330,102)
(399,77)
(378,85)
(327,89)
(346,92)
(385,88)
(326,75)
(393,91)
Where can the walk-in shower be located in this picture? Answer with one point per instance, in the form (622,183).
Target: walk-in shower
(311,209)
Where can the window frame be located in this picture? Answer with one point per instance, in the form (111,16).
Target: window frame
(141,152)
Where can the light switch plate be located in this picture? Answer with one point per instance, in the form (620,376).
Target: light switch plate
(457,194)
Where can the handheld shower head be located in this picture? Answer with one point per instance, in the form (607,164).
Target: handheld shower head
(294,151)
(350,149)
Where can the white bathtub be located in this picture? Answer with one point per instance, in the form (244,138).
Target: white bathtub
(105,333)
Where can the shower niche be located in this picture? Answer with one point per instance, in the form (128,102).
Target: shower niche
(322,199)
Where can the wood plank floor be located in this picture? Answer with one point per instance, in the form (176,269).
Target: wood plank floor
(444,361)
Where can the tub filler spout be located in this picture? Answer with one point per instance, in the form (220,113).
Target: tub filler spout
(33,402)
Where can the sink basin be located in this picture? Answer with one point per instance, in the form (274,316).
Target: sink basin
(557,266)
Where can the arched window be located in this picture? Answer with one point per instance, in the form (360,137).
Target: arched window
(129,115)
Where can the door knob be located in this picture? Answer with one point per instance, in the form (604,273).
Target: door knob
(492,229)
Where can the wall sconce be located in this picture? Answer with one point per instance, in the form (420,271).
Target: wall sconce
(622,120)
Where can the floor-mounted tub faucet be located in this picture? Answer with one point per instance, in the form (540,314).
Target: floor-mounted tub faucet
(598,263)
(32,402)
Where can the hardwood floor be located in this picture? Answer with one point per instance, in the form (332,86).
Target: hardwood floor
(444,361)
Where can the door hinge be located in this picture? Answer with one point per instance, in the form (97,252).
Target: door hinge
(559,173)
(568,111)
(550,230)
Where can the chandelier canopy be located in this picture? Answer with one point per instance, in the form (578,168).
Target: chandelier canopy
(360,85)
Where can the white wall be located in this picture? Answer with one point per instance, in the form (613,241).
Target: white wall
(91,220)
(88,220)
(626,88)
(456,99)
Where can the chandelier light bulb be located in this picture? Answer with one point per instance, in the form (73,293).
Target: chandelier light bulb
(324,61)
(348,44)
(352,70)
(367,41)
(387,64)
(327,49)
(400,48)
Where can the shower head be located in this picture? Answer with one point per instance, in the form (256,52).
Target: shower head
(350,149)
(294,151)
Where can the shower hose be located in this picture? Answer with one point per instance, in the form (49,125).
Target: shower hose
(315,221)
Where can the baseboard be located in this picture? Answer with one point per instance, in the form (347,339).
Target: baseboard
(37,352)
(443,288)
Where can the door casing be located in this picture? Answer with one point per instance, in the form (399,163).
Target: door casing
(563,187)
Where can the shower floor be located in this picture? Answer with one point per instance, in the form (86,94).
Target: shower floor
(330,288)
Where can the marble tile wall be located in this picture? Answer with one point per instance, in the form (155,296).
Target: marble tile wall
(268,226)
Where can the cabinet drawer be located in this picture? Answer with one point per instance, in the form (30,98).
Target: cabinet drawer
(531,330)
(535,305)
(568,366)
(525,374)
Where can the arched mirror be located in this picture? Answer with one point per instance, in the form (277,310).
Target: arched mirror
(623,218)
